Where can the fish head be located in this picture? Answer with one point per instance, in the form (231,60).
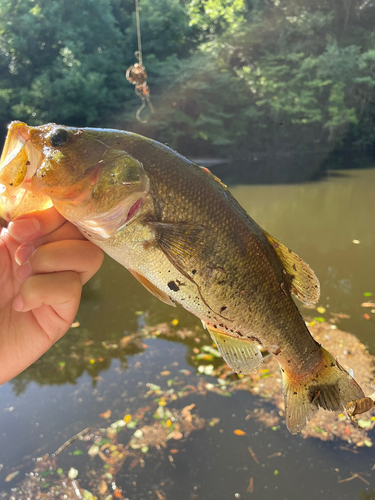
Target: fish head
(89,178)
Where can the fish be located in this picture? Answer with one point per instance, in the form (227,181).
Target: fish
(178,230)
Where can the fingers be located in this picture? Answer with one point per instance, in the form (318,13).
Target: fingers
(80,256)
(62,291)
(35,225)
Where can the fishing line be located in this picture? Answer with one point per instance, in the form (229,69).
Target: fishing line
(136,74)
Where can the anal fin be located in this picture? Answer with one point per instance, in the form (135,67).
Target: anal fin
(241,354)
(152,288)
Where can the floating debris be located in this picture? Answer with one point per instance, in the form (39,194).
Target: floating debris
(238,432)
(107,414)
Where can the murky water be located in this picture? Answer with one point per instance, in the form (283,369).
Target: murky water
(81,378)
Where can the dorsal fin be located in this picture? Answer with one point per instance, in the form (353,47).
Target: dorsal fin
(214,177)
(305,285)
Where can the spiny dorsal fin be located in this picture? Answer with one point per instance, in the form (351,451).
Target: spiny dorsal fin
(214,177)
(241,354)
(152,288)
(305,285)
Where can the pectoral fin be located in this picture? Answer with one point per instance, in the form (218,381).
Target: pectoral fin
(242,355)
(305,285)
(152,288)
(180,243)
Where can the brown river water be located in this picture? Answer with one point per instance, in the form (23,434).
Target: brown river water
(330,224)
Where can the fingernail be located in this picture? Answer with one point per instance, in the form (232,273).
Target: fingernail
(23,252)
(23,229)
(18,303)
(23,272)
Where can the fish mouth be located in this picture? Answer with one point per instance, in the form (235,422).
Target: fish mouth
(104,226)
(18,163)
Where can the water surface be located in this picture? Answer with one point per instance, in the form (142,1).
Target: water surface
(78,379)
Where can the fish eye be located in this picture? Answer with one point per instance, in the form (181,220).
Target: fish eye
(58,138)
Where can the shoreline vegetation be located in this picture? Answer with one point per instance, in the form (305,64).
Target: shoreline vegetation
(259,82)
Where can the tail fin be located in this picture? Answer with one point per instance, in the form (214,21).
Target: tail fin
(332,389)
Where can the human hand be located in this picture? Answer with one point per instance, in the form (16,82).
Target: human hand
(44,261)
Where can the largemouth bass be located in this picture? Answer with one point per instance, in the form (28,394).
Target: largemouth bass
(180,232)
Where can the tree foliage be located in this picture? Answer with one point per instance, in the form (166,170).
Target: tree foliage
(226,75)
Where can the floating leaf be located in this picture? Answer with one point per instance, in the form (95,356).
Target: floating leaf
(76,453)
(144,449)
(127,418)
(87,495)
(138,434)
(367,316)
(118,424)
(176,435)
(103,487)
(275,472)
(153,387)
(321,309)
(165,373)
(111,433)
(135,446)
(319,319)
(205,357)
(76,324)
(367,294)
(211,350)
(364,423)
(109,345)
(225,394)
(60,471)
(356,242)
(93,451)
(132,424)
(368,442)
(106,414)
(11,476)
(238,432)
(175,322)
(206,369)
(73,473)
(185,372)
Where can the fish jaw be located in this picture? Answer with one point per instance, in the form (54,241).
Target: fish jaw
(19,162)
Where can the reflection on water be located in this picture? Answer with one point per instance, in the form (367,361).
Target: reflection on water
(90,371)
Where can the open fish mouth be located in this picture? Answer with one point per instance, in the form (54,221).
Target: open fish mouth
(18,163)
